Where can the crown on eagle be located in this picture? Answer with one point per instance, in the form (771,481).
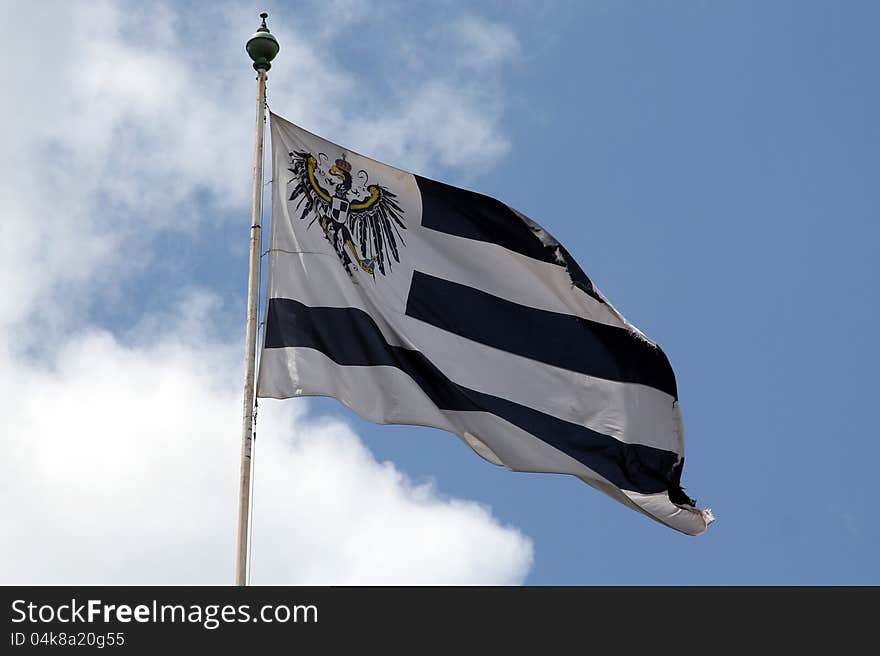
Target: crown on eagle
(343,164)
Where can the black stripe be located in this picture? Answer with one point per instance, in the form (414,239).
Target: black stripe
(561,340)
(349,336)
(467,214)
(474,216)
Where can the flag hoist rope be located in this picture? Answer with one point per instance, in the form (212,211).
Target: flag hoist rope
(262,48)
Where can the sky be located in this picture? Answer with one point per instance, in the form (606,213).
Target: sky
(711,165)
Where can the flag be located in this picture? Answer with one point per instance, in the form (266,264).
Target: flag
(415,302)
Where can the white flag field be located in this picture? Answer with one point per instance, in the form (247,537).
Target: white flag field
(415,302)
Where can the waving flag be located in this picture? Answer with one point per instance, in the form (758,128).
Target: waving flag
(414,302)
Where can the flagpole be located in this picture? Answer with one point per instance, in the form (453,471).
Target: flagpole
(262,48)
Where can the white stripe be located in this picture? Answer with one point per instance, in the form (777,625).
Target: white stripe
(629,412)
(692,521)
(518,278)
(318,280)
(402,402)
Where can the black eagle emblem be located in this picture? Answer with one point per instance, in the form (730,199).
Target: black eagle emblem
(362,222)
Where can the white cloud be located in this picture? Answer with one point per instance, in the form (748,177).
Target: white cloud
(438,124)
(122,467)
(355,520)
(483,43)
(131,110)
(122,459)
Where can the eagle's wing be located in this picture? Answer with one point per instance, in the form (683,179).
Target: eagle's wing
(307,189)
(376,223)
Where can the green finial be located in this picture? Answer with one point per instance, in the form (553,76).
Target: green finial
(262,46)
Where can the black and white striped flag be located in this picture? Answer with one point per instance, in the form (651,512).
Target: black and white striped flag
(414,302)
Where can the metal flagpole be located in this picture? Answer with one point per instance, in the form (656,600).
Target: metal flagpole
(262,48)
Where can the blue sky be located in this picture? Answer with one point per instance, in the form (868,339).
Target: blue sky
(712,167)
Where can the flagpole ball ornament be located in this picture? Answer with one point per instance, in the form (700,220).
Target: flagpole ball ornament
(262,46)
